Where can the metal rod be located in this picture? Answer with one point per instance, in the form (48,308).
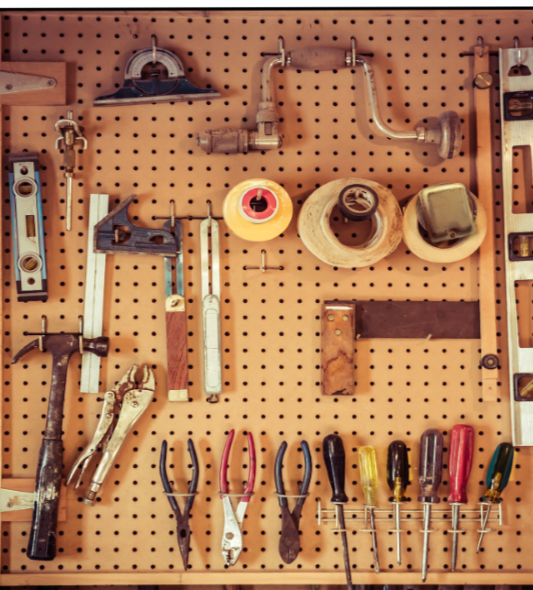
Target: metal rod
(382,126)
(342,526)
(483,527)
(455,527)
(374,541)
(397,526)
(425,550)
(69,203)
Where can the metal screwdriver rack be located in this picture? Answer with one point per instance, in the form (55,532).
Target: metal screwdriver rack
(270,321)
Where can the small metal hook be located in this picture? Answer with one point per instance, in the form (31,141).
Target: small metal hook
(208,209)
(281,51)
(515,39)
(43,330)
(154,49)
(263,266)
(480,43)
(354,52)
(80,332)
(172,218)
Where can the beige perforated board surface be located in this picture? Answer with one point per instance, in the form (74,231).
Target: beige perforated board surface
(270,321)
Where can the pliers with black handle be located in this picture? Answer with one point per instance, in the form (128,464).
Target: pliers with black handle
(183,530)
(289,542)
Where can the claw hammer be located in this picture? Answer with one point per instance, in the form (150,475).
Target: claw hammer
(42,541)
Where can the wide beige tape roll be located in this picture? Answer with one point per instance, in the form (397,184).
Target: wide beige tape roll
(316,233)
(257,210)
(457,251)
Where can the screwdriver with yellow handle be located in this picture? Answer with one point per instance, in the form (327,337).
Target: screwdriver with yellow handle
(369,483)
(497,480)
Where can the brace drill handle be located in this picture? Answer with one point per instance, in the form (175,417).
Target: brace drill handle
(42,541)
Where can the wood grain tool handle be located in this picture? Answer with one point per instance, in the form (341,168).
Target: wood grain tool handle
(318,58)
(177,360)
(338,327)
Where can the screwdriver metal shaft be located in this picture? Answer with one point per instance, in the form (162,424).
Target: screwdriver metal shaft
(345,551)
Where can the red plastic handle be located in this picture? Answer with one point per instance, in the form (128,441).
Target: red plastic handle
(251,473)
(460,462)
(223,473)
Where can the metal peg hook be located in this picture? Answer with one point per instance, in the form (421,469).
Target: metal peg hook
(281,51)
(43,330)
(353,52)
(154,49)
(480,43)
(516,40)
(263,266)
(172,217)
(80,332)
(208,209)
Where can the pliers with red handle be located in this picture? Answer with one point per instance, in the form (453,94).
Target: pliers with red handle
(232,541)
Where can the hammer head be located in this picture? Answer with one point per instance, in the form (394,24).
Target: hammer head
(63,344)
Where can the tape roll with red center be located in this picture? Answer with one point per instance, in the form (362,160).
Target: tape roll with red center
(257,210)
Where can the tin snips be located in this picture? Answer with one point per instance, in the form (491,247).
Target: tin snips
(132,399)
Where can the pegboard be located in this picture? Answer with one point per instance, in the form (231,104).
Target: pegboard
(270,321)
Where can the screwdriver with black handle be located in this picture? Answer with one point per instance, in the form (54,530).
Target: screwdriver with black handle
(335,460)
(429,478)
(459,466)
(398,480)
(369,482)
(497,479)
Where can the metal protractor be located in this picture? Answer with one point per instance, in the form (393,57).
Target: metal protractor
(164,57)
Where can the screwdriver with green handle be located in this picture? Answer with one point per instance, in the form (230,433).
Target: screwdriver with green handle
(497,480)
(398,480)
(429,478)
(369,483)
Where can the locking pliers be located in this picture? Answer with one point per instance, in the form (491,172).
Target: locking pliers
(132,399)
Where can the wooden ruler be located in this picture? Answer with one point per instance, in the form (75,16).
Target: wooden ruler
(487,255)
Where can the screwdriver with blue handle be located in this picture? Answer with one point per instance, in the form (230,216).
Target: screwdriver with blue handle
(398,480)
(369,483)
(497,480)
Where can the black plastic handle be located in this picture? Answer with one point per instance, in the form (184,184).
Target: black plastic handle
(335,460)
(397,469)
(430,465)
(42,542)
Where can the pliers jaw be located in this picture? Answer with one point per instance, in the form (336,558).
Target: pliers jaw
(133,398)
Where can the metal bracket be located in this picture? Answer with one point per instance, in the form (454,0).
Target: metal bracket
(263,266)
(115,234)
(12,82)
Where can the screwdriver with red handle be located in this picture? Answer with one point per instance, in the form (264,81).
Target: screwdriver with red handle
(460,464)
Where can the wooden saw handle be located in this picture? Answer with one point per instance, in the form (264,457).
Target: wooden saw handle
(177,359)
(338,327)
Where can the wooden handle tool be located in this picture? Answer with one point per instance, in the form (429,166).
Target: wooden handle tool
(177,360)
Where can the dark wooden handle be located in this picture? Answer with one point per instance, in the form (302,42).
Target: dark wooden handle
(319,58)
(177,360)
(338,325)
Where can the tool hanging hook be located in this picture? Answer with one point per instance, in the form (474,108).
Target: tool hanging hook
(154,50)
(43,330)
(80,332)
(480,43)
(282,55)
(172,217)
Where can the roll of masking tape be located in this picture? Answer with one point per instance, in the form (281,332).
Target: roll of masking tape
(316,233)
(447,251)
(257,210)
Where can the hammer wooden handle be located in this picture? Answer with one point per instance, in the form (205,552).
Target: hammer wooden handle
(318,58)
(177,360)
